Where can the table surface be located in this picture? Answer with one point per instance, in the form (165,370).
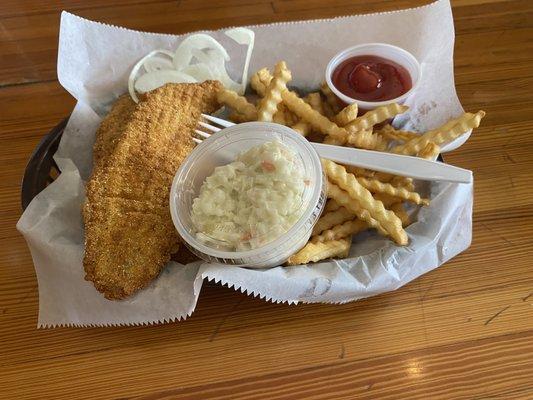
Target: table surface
(463,331)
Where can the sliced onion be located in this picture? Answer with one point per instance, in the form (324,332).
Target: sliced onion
(201,72)
(211,59)
(246,37)
(183,54)
(157,62)
(155,79)
(135,70)
(216,64)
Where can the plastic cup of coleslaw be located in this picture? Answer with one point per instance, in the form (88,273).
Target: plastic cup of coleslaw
(271,246)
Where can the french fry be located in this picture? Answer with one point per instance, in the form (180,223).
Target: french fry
(403,181)
(314,100)
(345,200)
(238,103)
(376,116)
(386,199)
(331,205)
(332,141)
(376,186)
(328,111)
(348,228)
(268,105)
(279,118)
(358,171)
(367,140)
(346,115)
(260,81)
(290,118)
(400,212)
(446,133)
(430,152)
(313,252)
(302,127)
(314,118)
(331,98)
(386,219)
(330,219)
(400,136)
(237,117)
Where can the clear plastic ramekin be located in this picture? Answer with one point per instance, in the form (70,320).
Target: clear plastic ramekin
(388,51)
(222,148)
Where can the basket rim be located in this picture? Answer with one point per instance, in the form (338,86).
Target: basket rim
(33,180)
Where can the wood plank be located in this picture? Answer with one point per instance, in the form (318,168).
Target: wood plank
(47,103)
(420,374)
(11,8)
(306,340)
(351,7)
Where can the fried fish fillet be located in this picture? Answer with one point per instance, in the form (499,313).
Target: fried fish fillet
(129,234)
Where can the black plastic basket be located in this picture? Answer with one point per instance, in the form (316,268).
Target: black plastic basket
(41,169)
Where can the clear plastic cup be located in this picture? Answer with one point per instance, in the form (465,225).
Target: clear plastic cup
(222,148)
(388,51)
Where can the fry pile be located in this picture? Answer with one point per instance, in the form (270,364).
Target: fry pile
(358,199)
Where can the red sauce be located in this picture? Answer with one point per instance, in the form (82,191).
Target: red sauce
(371,78)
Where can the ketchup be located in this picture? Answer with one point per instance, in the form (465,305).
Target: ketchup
(371,78)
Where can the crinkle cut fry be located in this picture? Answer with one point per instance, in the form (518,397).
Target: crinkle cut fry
(259,82)
(376,116)
(430,152)
(331,98)
(313,252)
(376,186)
(330,219)
(346,229)
(269,103)
(238,103)
(344,199)
(331,205)
(358,171)
(332,141)
(346,115)
(394,134)
(314,100)
(446,133)
(387,220)
(368,140)
(399,210)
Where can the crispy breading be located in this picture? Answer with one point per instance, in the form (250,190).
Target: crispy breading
(129,234)
(111,128)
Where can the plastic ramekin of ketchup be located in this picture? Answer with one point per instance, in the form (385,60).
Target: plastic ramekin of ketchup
(373,75)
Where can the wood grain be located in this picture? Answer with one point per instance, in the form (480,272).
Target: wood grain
(463,331)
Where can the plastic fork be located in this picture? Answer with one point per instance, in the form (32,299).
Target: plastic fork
(413,167)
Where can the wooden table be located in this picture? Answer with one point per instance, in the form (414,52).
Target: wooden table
(463,331)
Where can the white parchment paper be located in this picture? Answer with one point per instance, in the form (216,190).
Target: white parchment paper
(93,65)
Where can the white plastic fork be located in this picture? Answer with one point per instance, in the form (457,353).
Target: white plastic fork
(413,167)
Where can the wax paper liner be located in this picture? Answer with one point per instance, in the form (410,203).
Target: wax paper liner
(93,65)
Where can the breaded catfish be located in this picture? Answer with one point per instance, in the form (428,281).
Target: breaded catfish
(129,234)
